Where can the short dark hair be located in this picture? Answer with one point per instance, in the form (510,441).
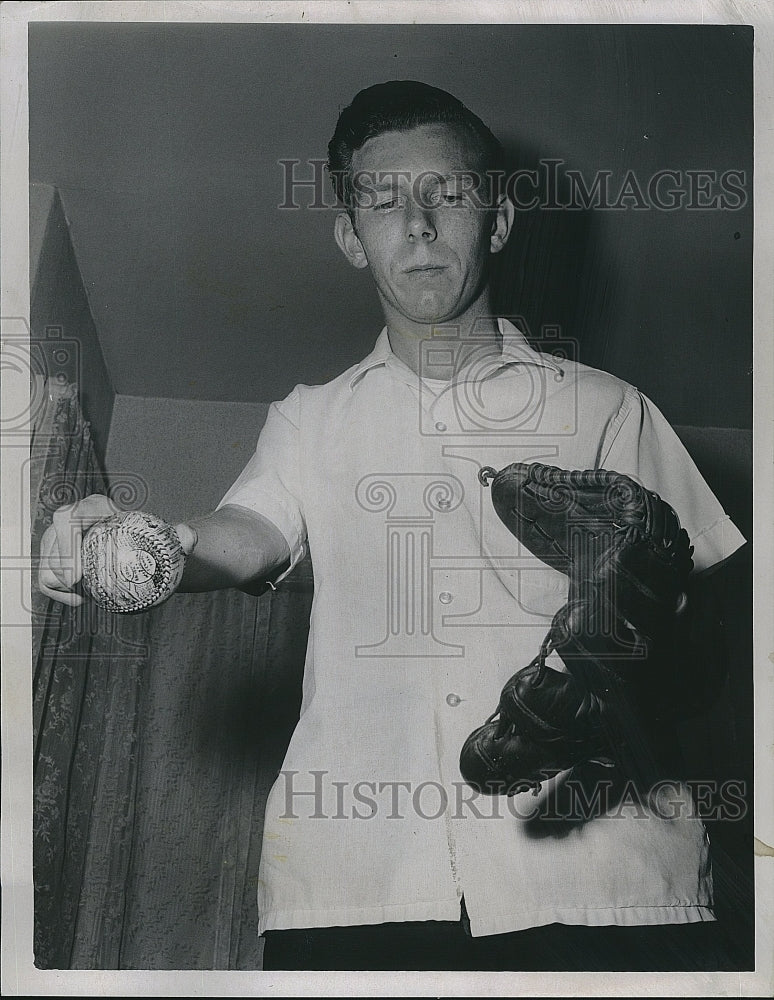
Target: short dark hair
(398,106)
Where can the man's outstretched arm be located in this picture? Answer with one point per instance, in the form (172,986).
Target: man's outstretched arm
(232,547)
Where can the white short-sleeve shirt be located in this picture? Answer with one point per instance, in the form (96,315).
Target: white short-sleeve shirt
(424,606)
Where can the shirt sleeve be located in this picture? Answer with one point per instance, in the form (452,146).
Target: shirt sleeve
(643,445)
(270,484)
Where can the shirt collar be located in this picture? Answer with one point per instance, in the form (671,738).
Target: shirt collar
(516,349)
(380,355)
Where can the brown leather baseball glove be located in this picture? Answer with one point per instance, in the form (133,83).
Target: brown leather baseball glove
(628,561)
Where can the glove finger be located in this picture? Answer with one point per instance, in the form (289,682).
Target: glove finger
(556,512)
(497,760)
(549,704)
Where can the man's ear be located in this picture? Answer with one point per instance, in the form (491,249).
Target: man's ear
(502,224)
(348,241)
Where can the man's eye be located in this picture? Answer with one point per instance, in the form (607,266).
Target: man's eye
(384,205)
(440,198)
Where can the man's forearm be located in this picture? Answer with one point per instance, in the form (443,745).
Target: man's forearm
(234,547)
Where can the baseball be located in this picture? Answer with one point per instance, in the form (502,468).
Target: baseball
(131,561)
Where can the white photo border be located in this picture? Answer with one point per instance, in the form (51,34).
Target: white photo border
(19,975)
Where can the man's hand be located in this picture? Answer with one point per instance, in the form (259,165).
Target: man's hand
(60,548)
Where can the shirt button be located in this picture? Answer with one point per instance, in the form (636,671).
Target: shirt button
(445,597)
(453,700)
(444,502)
(440,426)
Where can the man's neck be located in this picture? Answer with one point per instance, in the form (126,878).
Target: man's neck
(412,345)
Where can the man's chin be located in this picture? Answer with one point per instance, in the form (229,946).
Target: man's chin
(431,310)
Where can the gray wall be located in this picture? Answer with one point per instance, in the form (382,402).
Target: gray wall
(165,141)
(181,454)
(62,328)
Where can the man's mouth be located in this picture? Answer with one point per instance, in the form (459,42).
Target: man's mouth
(425,269)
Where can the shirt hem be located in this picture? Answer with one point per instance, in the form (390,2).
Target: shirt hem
(715,543)
(621,916)
(281,920)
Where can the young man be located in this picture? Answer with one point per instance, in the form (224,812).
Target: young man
(376,854)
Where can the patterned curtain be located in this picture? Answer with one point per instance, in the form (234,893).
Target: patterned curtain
(86,679)
(156,740)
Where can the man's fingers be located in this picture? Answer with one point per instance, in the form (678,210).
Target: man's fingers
(51,572)
(60,556)
(63,596)
(53,580)
(93,508)
(60,546)
(69,524)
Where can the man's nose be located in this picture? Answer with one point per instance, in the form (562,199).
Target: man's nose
(419,223)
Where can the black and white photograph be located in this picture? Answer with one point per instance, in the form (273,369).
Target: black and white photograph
(387,499)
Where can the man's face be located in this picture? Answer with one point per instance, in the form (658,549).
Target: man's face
(418,224)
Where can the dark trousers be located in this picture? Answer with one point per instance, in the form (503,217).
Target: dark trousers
(447,946)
